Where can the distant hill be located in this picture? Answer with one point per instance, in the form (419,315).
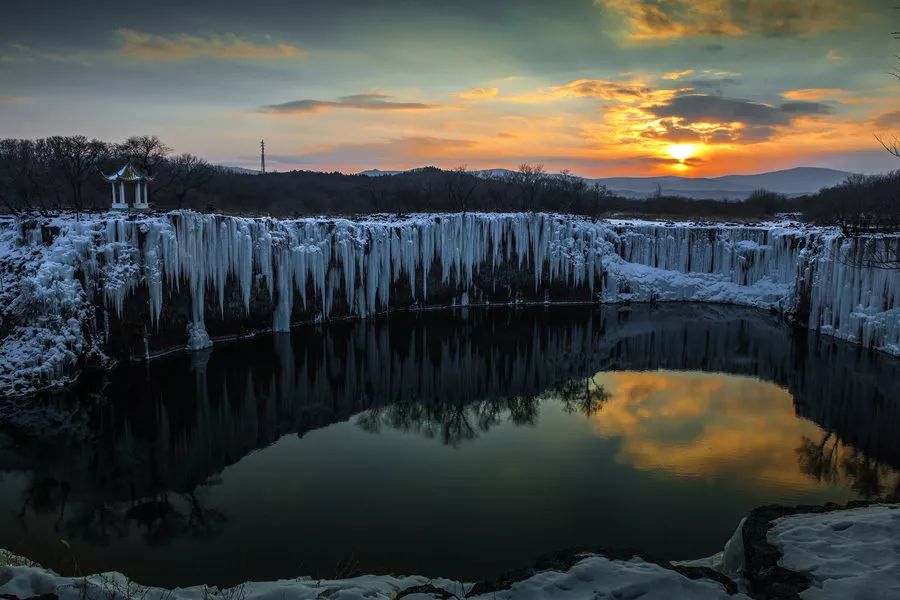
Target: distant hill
(791,182)
(238,170)
(378,173)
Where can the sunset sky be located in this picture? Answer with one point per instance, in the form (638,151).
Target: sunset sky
(602,87)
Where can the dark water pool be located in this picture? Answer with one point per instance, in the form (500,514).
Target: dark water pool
(460,444)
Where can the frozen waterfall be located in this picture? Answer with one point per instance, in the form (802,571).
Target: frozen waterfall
(60,298)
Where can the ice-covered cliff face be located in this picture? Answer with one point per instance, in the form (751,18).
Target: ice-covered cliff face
(114,286)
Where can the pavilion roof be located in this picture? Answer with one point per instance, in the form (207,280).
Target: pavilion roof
(128,173)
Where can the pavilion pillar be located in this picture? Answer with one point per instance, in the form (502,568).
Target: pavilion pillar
(137,193)
(112,186)
(122,192)
(145,193)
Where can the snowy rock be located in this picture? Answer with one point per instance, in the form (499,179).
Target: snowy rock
(846,553)
(198,339)
(591,577)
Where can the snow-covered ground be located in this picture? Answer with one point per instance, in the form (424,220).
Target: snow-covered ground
(848,553)
(49,289)
(591,577)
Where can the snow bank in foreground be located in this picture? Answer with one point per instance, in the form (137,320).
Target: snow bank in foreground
(848,553)
(58,296)
(592,577)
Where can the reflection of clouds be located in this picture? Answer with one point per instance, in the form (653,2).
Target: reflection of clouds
(700,425)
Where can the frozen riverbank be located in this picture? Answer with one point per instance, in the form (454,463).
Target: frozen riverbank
(777,552)
(89,292)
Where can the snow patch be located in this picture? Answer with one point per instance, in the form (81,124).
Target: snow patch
(591,577)
(847,553)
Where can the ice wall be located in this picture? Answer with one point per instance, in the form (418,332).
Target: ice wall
(63,294)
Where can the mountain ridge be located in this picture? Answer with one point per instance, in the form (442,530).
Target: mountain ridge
(795,181)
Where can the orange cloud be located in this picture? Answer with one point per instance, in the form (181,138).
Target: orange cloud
(479,93)
(13,100)
(701,425)
(634,90)
(148,46)
(634,124)
(814,94)
(836,94)
(650,20)
(678,74)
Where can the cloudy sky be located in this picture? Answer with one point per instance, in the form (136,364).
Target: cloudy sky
(602,87)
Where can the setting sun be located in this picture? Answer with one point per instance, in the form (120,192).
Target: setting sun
(682,152)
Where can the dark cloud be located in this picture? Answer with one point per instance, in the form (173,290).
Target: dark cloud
(777,18)
(889,120)
(704,108)
(672,132)
(356,101)
(737,120)
(748,134)
(714,85)
(693,108)
(714,47)
(807,108)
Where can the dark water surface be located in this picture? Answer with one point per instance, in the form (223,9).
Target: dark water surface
(460,444)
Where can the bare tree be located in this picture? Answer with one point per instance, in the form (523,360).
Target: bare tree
(77,158)
(147,152)
(583,395)
(892,144)
(188,173)
(852,215)
(25,181)
(569,190)
(530,181)
(9,166)
(460,186)
(498,192)
(601,196)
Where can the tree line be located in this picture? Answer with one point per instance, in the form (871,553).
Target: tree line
(64,172)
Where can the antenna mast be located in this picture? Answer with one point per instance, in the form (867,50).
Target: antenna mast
(262,155)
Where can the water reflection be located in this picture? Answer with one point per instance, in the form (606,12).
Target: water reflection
(705,425)
(486,418)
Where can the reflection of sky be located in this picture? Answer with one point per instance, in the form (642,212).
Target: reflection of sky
(601,87)
(669,465)
(693,424)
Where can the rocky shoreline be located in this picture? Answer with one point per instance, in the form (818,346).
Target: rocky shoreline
(751,566)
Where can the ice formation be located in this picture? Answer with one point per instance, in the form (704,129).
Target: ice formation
(59,296)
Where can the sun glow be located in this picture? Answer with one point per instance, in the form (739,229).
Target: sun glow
(682,152)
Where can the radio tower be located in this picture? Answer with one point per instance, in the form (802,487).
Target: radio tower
(262,156)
